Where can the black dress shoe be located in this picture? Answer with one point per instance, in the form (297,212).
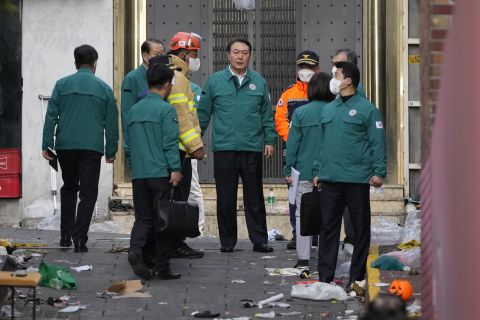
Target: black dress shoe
(226,249)
(166,275)
(80,247)
(138,266)
(301,264)
(185,251)
(262,247)
(65,241)
(292,245)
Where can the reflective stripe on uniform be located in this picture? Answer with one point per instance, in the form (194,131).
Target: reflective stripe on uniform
(192,106)
(177,98)
(189,136)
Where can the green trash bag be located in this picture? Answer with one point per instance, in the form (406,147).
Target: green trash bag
(385,262)
(56,277)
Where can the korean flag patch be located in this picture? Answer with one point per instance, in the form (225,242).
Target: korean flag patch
(379,124)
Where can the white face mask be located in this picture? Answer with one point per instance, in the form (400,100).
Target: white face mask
(335,86)
(194,64)
(305,74)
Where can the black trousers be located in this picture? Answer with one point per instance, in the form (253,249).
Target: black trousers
(80,175)
(145,191)
(348,226)
(228,166)
(181,193)
(334,197)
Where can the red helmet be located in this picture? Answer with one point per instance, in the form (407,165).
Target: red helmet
(185,40)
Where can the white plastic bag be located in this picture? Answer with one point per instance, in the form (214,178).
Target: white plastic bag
(318,291)
(412,228)
(385,232)
(411,257)
(244,4)
(50,223)
(40,208)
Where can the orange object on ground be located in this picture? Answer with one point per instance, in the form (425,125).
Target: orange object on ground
(402,288)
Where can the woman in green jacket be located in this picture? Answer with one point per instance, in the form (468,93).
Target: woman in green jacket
(304,139)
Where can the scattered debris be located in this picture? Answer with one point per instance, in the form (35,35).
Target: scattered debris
(381,284)
(278,305)
(269,315)
(238,281)
(268,257)
(275,298)
(318,291)
(291,313)
(204,314)
(56,277)
(247,303)
(415,307)
(283,271)
(121,289)
(385,262)
(385,232)
(409,257)
(274,234)
(82,268)
(72,309)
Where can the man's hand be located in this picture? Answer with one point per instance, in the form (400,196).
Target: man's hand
(198,154)
(268,151)
(175,178)
(316,182)
(289,180)
(110,160)
(375,181)
(46,155)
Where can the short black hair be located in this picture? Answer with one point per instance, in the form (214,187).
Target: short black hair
(85,55)
(349,70)
(351,55)
(146,45)
(242,40)
(158,75)
(318,87)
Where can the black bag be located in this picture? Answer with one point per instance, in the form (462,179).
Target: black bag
(310,213)
(176,219)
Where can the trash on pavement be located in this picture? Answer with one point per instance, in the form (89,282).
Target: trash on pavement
(40,208)
(385,232)
(51,222)
(72,309)
(412,227)
(205,314)
(274,234)
(411,258)
(269,315)
(247,303)
(381,284)
(415,307)
(359,288)
(278,305)
(291,313)
(118,249)
(56,277)
(121,289)
(238,281)
(3,251)
(412,244)
(385,262)
(268,257)
(274,298)
(318,291)
(283,271)
(82,268)
(401,288)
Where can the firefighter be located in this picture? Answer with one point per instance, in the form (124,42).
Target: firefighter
(183,57)
(293,97)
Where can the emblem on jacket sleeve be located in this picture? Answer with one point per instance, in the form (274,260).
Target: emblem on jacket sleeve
(252,86)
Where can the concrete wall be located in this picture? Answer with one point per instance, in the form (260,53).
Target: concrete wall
(51,31)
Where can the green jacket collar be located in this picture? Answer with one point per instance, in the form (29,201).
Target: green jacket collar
(85,69)
(154,96)
(229,75)
(350,102)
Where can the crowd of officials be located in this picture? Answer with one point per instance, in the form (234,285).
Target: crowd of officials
(334,137)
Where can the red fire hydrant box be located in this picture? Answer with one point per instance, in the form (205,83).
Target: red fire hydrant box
(10,173)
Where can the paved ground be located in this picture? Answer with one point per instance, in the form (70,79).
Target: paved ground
(206,284)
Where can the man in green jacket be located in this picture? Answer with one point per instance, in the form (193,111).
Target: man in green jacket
(151,147)
(82,109)
(135,82)
(238,101)
(352,158)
